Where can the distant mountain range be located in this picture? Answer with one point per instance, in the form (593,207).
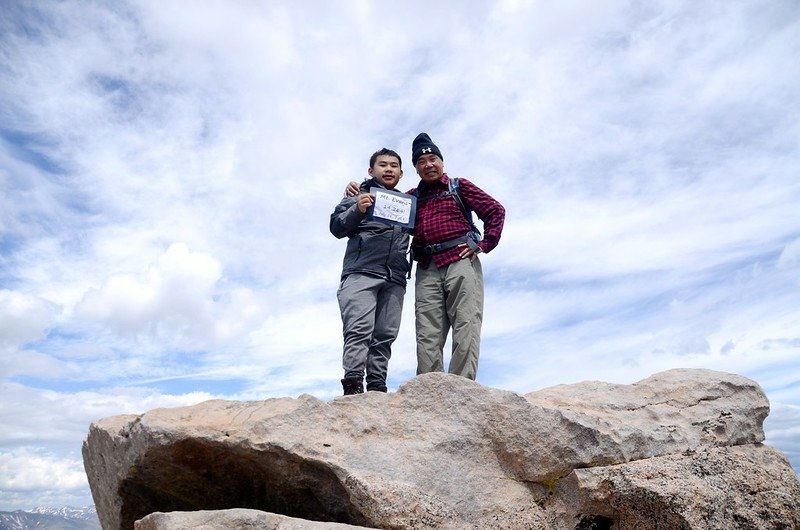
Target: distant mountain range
(65,518)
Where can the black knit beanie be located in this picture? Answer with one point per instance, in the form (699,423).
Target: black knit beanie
(423,145)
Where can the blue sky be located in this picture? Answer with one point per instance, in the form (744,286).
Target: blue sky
(168,171)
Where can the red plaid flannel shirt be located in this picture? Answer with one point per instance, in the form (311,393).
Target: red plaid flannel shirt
(440,219)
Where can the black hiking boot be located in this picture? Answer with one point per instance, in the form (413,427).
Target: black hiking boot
(352,385)
(376,387)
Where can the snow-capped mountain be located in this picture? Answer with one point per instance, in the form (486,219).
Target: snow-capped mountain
(65,518)
(86,513)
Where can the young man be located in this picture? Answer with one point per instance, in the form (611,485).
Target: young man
(449,278)
(373,279)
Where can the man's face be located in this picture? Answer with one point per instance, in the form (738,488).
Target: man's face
(430,168)
(386,170)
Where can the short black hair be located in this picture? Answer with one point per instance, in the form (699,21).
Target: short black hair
(384,151)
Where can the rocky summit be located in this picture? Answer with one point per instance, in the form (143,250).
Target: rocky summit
(679,450)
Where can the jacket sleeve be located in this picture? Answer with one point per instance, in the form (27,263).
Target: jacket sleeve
(346,218)
(488,209)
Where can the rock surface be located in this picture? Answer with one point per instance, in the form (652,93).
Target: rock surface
(445,452)
(233,518)
(714,488)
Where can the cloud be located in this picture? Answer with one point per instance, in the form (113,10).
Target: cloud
(782,429)
(174,298)
(62,418)
(17,362)
(41,462)
(23,318)
(28,471)
(790,256)
(31,476)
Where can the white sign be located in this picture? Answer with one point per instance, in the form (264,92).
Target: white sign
(393,207)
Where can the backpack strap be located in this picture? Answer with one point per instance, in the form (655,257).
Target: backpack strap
(453,186)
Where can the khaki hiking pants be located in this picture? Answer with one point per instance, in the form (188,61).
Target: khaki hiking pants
(450,297)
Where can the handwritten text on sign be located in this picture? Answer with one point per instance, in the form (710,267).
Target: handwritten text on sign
(392,208)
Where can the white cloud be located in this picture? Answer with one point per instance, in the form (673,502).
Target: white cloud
(790,256)
(23,318)
(782,429)
(30,362)
(173,301)
(29,471)
(55,423)
(41,462)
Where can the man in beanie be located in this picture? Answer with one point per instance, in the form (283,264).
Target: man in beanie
(373,280)
(449,279)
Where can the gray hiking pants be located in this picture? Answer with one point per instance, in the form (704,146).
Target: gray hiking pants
(449,297)
(371,309)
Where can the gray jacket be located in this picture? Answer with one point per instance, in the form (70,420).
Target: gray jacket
(373,247)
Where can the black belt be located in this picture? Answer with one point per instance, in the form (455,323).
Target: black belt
(440,247)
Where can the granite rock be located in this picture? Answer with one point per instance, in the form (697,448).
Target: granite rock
(441,452)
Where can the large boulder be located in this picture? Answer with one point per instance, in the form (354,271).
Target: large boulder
(441,452)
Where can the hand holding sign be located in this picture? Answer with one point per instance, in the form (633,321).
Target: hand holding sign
(364,201)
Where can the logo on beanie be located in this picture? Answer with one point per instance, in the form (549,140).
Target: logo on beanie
(427,150)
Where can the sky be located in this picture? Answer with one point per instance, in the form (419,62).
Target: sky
(168,170)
